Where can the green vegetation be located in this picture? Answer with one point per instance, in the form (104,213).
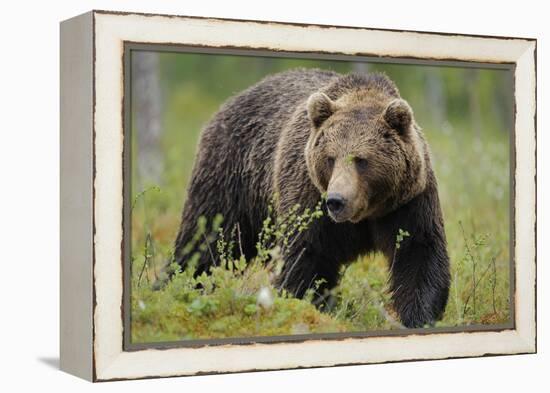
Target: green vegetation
(237,298)
(466,117)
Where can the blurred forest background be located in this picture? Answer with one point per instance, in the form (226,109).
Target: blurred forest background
(467,117)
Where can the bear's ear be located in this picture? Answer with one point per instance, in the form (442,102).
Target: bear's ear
(319,108)
(399,116)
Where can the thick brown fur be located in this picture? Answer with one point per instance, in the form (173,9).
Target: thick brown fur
(303,133)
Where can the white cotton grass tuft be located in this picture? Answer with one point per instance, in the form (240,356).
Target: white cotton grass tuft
(265,298)
(141,305)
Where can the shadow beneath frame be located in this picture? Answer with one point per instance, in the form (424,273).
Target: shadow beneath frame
(52,362)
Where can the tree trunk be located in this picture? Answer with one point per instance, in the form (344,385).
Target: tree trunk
(146,102)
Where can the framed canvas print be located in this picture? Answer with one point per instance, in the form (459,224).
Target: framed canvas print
(245,195)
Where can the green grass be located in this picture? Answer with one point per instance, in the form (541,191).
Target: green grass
(236,298)
(472,168)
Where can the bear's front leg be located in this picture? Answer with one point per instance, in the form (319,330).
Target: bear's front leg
(304,269)
(419,264)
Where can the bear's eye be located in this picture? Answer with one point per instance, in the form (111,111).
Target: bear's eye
(330,162)
(361,163)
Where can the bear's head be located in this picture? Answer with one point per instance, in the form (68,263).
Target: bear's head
(365,152)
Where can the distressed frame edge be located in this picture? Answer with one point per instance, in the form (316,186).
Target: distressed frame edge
(76,196)
(526,339)
(305,24)
(525,192)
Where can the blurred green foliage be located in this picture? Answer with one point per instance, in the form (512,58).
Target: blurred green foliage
(467,117)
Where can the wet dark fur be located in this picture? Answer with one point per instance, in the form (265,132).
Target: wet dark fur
(254,147)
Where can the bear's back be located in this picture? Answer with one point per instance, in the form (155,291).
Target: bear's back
(271,102)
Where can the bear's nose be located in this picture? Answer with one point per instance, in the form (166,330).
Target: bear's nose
(335,203)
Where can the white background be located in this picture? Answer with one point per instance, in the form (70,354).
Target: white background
(29,196)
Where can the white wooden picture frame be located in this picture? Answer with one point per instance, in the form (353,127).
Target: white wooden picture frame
(92,194)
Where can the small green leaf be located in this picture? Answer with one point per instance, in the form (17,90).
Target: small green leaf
(250,309)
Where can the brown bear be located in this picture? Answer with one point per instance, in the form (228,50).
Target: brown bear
(305,133)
